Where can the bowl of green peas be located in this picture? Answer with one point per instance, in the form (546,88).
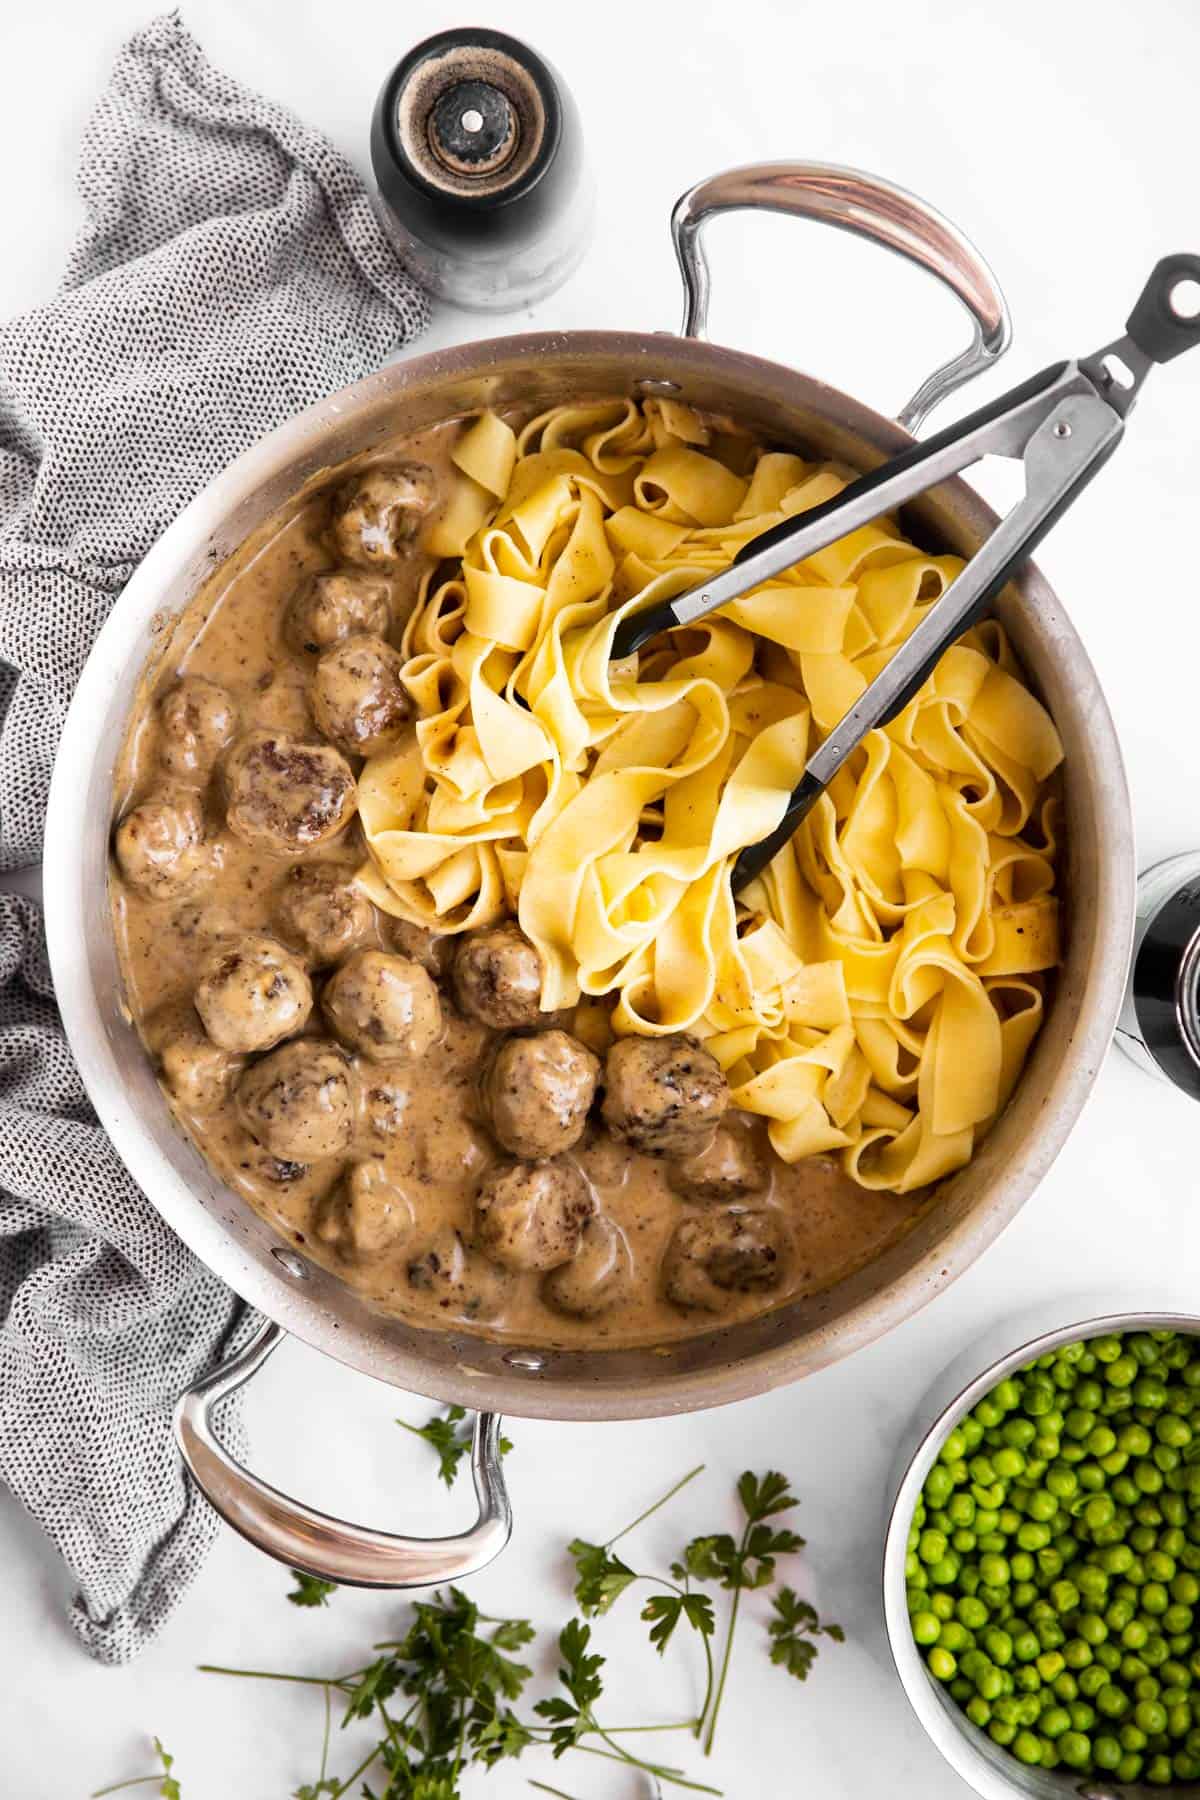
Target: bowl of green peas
(1042,1564)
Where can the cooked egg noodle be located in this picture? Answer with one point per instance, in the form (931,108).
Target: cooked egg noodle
(875,992)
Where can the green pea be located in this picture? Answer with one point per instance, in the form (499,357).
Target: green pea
(954,1448)
(1148,1477)
(1083,1716)
(1008,1463)
(1108,1656)
(972,1432)
(1026,1747)
(1129,1767)
(1112,1702)
(945,1571)
(942,1664)
(939,1485)
(1150,1716)
(1025,1646)
(1075,1748)
(1049,1664)
(1149,1391)
(1155,1598)
(1018,1433)
(994,1571)
(1101,1441)
(1158,1771)
(955,1636)
(926,1627)
(1098,1512)
(1122,1373)
(989,1683)
(1024,1593)
(1066,1686)
(1001,1734)
(942,1605)
(1054,1721)
(986,1518)
(1022,1566)
(1185,1589)
(1134,1440)
(972,1613)
(988,1414)
(1032,1535)
(978,1711)
(1173,1431)
(1132,1737)
(999,1646)
(1177,1620)
(1114,1462)
(961,1510)
(1106,1752)
(1179,1719)
(1134,1634)
(1092,1629)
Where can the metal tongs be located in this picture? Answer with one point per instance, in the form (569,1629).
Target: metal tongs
(1062,424)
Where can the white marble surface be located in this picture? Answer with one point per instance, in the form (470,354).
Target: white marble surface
(1062,137)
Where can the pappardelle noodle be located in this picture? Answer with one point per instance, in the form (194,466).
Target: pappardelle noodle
(876,991)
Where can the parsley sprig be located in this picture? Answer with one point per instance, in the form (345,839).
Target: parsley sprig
(168,1784)
(450,1439)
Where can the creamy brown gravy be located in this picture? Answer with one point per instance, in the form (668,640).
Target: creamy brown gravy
(232,634)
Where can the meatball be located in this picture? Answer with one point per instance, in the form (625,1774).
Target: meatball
(498,977)
(434,950)
(367,1212)
(457,1279)
(251,993)
(160,847)
(597,1277)
(664,1095)
(531,1215)
(384,1099)
(320,911)
(196,719)
(714,1254)
(258,1164)
(726,1169)
(377,516)
(283,797)
(384,1006)
(358,698)
(196,1072)
(329,608)
(298,1102)
(536,1092)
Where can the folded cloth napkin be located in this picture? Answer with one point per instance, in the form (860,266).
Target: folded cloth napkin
(230,271)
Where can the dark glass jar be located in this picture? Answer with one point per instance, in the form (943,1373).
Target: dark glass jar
(478,157)
(1159,1025)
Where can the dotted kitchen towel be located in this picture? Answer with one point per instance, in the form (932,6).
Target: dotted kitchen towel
(230,271)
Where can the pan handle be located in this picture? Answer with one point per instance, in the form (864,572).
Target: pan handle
(871,208)
(353,1555)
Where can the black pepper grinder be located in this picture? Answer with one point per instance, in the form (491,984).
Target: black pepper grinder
(478,158)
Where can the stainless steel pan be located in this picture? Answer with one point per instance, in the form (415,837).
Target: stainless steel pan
(722,1364)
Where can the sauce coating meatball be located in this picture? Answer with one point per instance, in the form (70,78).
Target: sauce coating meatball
(384,1006)
(297,1102)
(197,1073)
(537,1091)
(252,993)
(664,1095)
(455,1278)
(598,1276)
(714,1254)
(367,1212)
(283,797)
(498,977)
(726,1169)
(376,518)
(329,608)
(358,698)
(160,847)
(196,719)
(531,1215)
(322,913)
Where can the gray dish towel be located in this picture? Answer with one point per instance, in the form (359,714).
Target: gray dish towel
(230,271)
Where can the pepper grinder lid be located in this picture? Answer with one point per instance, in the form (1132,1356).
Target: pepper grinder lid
(477,153)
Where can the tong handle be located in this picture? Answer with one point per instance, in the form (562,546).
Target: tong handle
(1162,324)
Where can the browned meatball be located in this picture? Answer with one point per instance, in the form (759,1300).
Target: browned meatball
(531,1215)
(598,1276)
(297,1102)
(714,1254)
(196,719)
(358,698)
(377,516)
(319,910)
(664,1095)
(367,1212)
(457,1280)
(536,1092)
(385,1006)
(329,608)
(251,993)
(434,950)
(161,849)
(726,1169)
(498,977)
(196,1072)
(283,797)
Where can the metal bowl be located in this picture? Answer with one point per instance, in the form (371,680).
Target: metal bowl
(992,1772)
